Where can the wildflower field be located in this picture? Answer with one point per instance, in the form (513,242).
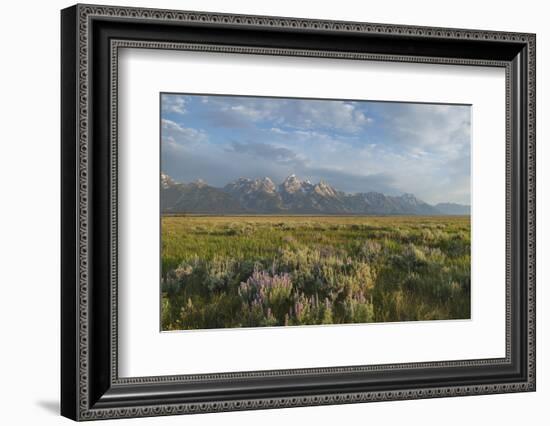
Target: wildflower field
(253,271)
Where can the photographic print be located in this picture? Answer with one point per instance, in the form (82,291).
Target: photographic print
(298,212)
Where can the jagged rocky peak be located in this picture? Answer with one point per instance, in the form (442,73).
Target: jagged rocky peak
(292,184)
(166,181)
(200,183)
(293,196)
(373,197)
(323,188)
(410,198)
(264,184)
(243,180)
(240,183)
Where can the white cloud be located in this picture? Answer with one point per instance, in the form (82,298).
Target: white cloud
(336,115)
(438,128)
(296,114)
(175,133)
(173,104)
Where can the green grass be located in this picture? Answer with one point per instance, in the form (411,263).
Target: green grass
(251,271)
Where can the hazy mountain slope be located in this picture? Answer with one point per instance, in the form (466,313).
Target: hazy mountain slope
(303,197)
(453,209)
(196,197)
(292,196)
(258,195)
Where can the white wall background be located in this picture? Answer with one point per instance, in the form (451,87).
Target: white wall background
(29,225)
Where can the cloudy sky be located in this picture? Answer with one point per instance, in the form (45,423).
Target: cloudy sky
(356,146)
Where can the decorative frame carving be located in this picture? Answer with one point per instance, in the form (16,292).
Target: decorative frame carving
(84,397)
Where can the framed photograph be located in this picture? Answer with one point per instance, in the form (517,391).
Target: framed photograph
(263,212)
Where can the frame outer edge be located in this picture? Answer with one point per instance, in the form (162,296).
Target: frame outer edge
(69,193)
(531,200)
(83,60)
(83,13)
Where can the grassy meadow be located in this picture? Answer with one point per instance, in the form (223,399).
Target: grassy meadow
(253,271)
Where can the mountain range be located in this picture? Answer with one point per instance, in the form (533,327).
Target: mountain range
(292,196)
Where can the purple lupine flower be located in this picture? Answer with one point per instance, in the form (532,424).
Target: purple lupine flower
(258,289)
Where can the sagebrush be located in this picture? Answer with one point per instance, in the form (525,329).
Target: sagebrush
(220,272)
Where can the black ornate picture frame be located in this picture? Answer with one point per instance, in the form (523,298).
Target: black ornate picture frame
(91,37)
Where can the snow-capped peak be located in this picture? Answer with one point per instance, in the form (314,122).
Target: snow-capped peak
(292,184)
(200,183)
(166,181)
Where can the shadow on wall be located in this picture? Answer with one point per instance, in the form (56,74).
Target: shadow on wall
(50,406)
